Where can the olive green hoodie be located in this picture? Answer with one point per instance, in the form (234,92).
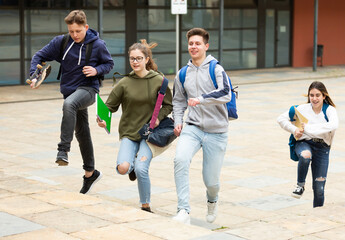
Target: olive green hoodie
(137,97)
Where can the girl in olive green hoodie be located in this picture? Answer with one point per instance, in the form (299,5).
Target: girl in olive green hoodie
(137,95)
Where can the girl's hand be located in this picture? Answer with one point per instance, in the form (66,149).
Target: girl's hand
(157,122)
(101,123)
(298,133)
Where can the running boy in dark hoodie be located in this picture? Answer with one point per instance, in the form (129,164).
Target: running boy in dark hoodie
(79,85)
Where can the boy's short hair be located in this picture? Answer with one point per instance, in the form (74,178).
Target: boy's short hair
(200,32)
(76,16)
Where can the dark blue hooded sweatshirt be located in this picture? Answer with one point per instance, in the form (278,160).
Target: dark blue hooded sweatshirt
(73,60)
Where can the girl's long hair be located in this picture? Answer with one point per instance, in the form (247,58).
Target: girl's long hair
(322,88)
(145,48)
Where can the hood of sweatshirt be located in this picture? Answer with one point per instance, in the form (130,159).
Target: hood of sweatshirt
(150,74)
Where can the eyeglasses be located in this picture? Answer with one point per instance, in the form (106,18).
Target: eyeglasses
(138,59)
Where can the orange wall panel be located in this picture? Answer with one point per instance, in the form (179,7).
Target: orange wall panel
(331,32)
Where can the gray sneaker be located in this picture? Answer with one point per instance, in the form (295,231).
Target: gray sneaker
(212,209)
(62,158)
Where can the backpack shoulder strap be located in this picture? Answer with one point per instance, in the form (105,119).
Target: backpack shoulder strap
(182,75)
(211,70)
(88,52)
(292,112)
(63,45)
(324,109)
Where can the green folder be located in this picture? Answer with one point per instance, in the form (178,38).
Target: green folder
(103,112)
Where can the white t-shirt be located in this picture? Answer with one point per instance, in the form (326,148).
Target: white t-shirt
(317,126)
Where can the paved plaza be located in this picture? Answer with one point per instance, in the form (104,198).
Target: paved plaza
(39,200)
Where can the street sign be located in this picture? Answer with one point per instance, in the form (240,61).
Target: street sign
(178,6)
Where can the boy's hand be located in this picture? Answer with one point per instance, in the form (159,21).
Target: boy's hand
(89,71)
(193,102)
(177,130)
(33,82)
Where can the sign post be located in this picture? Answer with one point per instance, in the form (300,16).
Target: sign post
(178,7)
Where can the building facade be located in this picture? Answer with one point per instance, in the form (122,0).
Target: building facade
(255,33)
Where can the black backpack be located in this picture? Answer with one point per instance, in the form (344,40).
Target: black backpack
(89,46)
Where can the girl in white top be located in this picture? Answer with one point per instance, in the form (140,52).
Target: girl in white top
(314,139)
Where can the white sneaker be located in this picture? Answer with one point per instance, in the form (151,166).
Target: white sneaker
(212,209)
(182,216)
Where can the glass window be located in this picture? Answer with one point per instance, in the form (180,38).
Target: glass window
(11,76)
(234,39)
(115,42)
(249,39)
(240,18)
(203,3)
(239,59)
(166,40)
(50,3)
(92,18)
(166,62)
(9,3)
(9,16)
(113,3)
(119,66)
(250,18)
(231,39)
(154,2)
(36,43)
(114,20)
(201,18)
(45,21)
(240,3)
(9,47)
(155,19)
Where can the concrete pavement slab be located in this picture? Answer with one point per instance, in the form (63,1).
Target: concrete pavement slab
(11,224)
(257,177)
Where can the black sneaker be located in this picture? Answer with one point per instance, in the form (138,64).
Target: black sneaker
(62,158)
(147,209)
(132,176)
(90,181)
(298,192)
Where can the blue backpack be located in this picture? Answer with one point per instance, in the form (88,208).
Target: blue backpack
(231,106)
(292,140)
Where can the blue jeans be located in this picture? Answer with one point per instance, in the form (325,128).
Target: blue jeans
(213,146)
(319,166)
(75,118)
(139,156)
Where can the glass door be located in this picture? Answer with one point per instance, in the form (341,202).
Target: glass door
(277,35)
(283,38)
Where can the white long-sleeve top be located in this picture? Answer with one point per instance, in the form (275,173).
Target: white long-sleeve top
(317,126)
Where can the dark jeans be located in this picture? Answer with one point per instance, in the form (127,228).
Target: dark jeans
(319,167)
(75,117)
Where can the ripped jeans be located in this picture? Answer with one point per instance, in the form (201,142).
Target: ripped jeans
(318,154)
(139,156)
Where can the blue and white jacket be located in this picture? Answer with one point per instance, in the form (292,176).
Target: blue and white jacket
(211,114)
(73,60)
